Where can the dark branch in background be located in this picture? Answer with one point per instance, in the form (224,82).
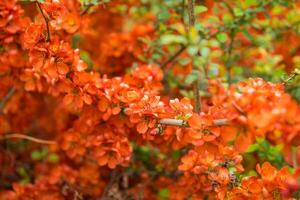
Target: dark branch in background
(46,21)
(231,42)
(113,189)
(6,98)
(183,13)
(86,9)
(229,54)
(192,19)
(191,12)
(228,7)
(172,58)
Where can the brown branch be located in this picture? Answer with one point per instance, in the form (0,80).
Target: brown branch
(46,21)
(183,13)
(183,123)
(26,137)
(294,157)
(197,97)
(192,19)
(239,109)
(111,185)
(191,11)
(5,99)
(229,54)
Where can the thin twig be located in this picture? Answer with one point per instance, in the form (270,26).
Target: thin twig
(26,137)
(295,73)
(197,96)
(294,157)
(183,123)
(182,14)
(114,178)
(172,58)
(5,99)
(229,54)
(46,21)
(226,4)
(86,9)
(239,109)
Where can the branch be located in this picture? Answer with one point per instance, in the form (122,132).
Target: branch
(183,123)
(197,96)
(229,8)
(295,73)
(172,58)
(26,137)
(192,19)
(86,9)
(46,21)
(191,11)
(6,98)
(229,54)
(239,109)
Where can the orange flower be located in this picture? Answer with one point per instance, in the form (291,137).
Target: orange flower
(253,185)
(204,125)
(188,161)
(267,171)
(221,175)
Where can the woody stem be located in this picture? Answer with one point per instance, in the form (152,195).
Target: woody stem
(192,19)
(26,137)
(6,98)
(46,21)
(183,123)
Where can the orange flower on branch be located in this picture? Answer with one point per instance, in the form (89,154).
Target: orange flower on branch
(202,126)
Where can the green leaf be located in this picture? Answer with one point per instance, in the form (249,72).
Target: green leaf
(176,155)
(25,177)
(213,19)
(193,76)
(39,154)
(172,39)
(205,51)
(252,148)
(184,61)
(21,171)
(238,12)
(163,15)
(200,9)
(250,2)
(163,194)
(247,35)
(222,37)
(186,93)
(237,69)
(75,41)
(192,50)
(53,158)
(213,71)
(85,56)
(93,2)
(35,155)
(27,1)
